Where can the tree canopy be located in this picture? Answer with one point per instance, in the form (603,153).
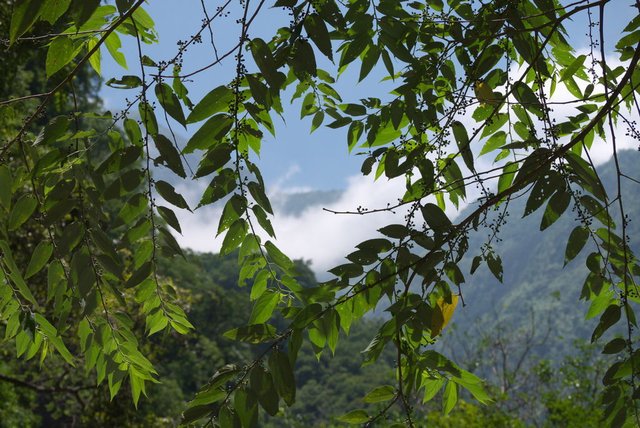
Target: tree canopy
(488,98)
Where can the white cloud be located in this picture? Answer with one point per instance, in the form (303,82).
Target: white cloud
(282,186)
(325,237)
(315,234)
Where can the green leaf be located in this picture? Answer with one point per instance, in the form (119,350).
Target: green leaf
(573,67)
(489,58)
(170,217)
(317,31)
(369,60)
(576,242)
(221,185)
(542,190)
(61,51)
(431,388)
(56,128)
(379,394)
(234,237)
(169,155)
(39,258)
(95,58)
(22,210)
(303,62)
(449,397)
(137,385)
(211,393)
(125,82)
(14,272)
(495,265)
(167,191)
(194,413)
(391,162)
(222,376)
(435,217)
(133,208)
(155,322)
(263,307)
(139,275)
(148,117)
(557,205)
(496,123)
(278,256)
(169,101)
(474,385)
(378,245)
(217,100)
(317,120)
(83,10)
(307,315)
(255,333)
(257,192)
(525,96)
(396,231)
(233,209)
(228,417)
(462,138)
(264,59)
(6,184)
(534,166)
(609,317)
(52,335)
(263,220)
(215,158)
(246,405)
(53,10)
(133,132)
(282,374)
(113,44)
(367,165)
(587,175)
(615,346)
(506,178)
(262,384)
(210,133)
(354,417)
(260,283)
(25,14)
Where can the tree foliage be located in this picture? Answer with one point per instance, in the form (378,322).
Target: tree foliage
(85,221)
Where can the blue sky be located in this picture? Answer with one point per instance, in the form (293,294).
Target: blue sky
(319,160)
(296,160)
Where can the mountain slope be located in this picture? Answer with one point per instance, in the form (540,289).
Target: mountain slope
(534,276)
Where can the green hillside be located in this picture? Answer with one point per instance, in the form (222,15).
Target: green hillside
(535,279)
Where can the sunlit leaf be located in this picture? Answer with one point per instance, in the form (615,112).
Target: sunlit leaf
(379,394)
(61,51)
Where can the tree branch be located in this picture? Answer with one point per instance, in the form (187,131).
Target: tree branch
(42,388)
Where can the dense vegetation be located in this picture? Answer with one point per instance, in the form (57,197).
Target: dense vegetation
(96,294)
(327,387)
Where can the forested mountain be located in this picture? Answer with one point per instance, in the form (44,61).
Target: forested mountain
(535,279)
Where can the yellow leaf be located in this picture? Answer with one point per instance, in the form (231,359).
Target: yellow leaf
(442,314)
(485,95)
